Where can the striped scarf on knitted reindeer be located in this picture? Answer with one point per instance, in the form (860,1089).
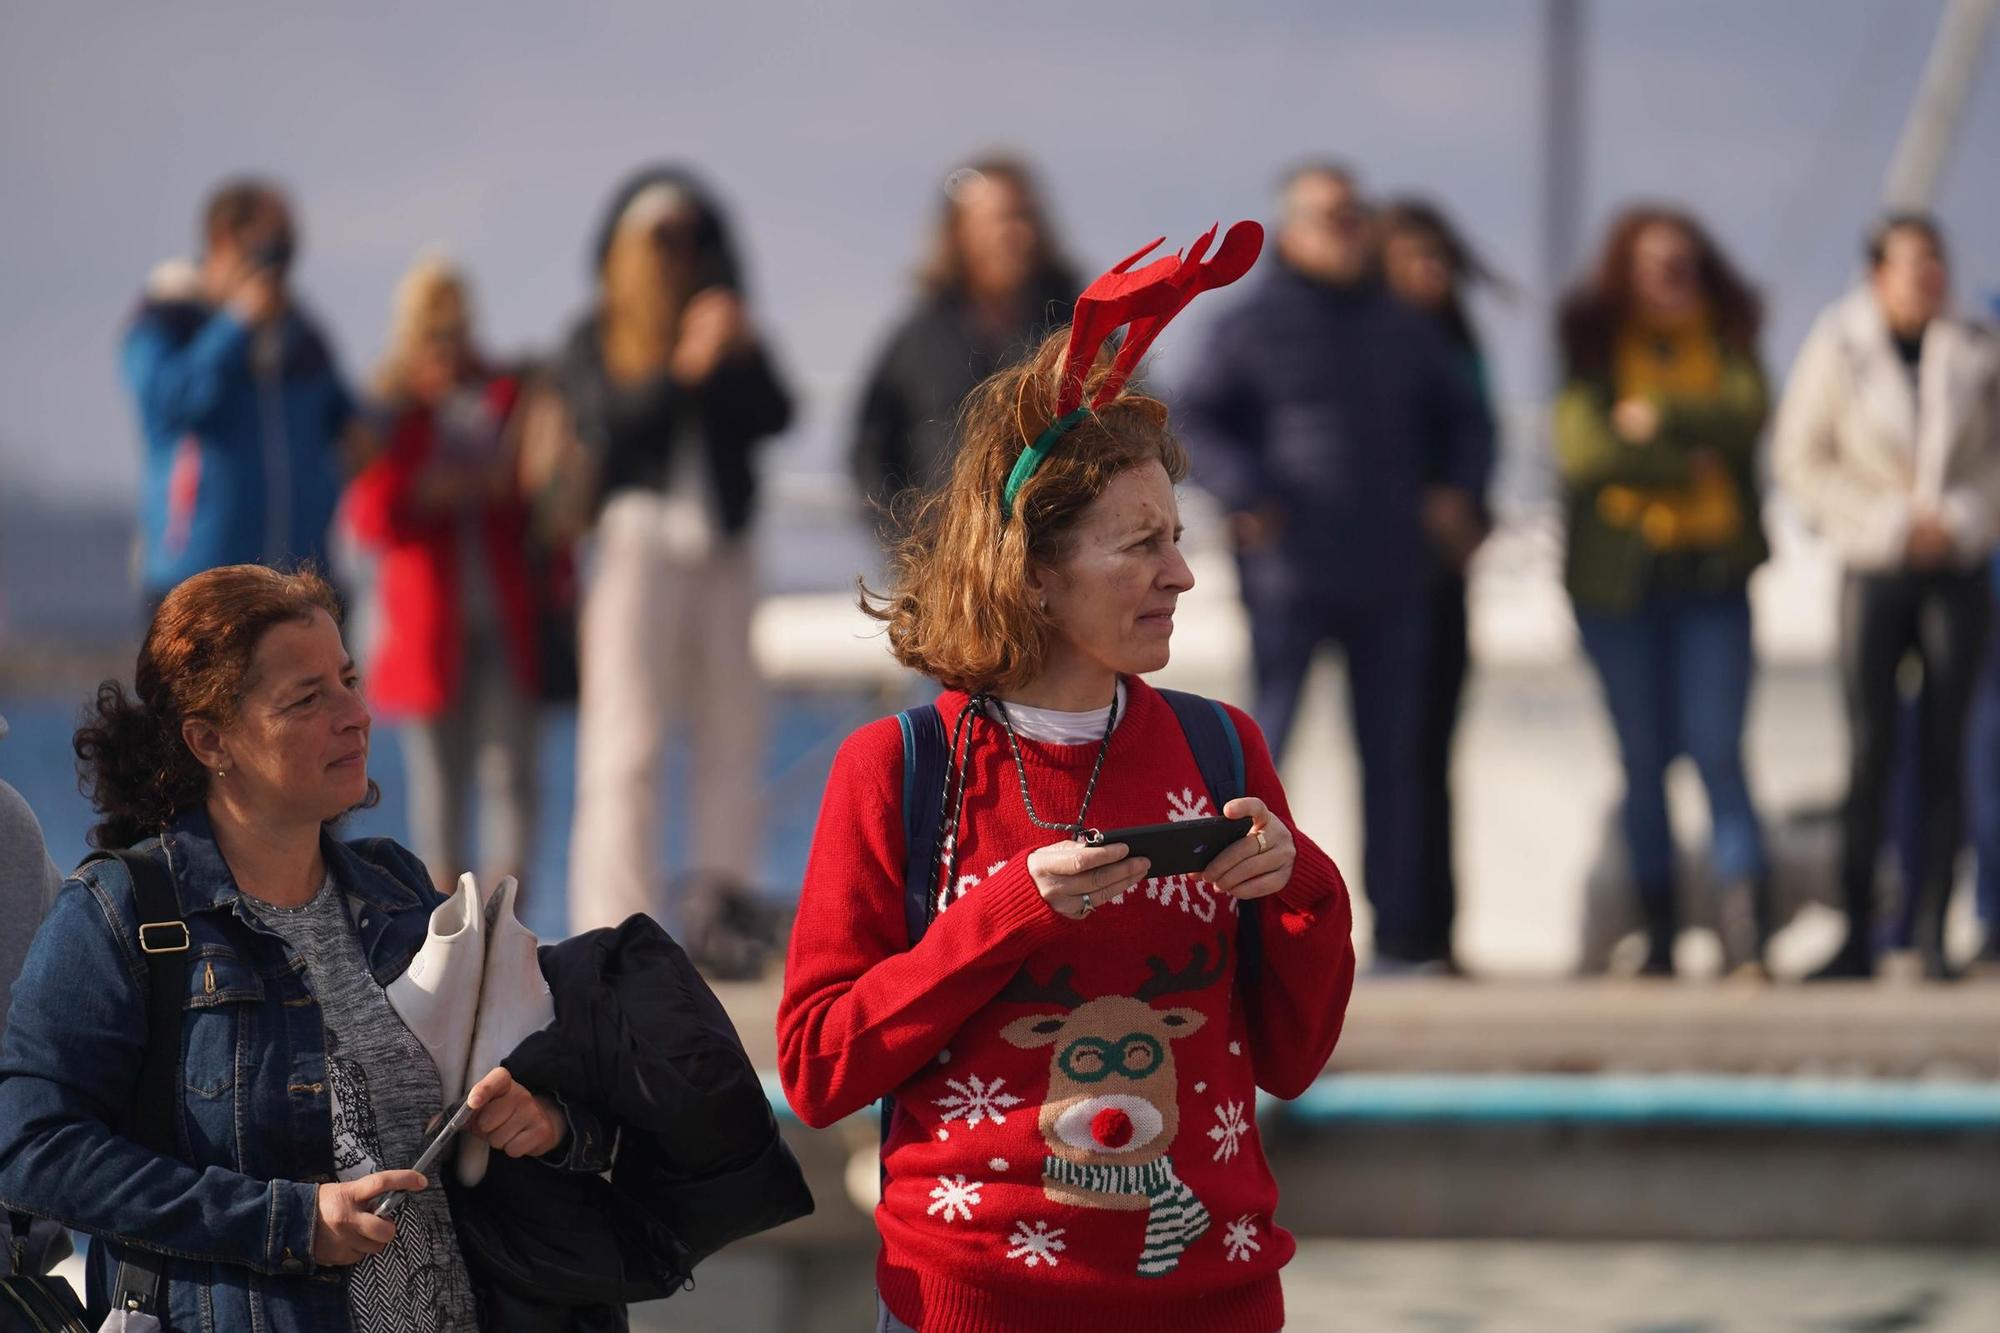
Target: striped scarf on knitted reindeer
(1175,1219)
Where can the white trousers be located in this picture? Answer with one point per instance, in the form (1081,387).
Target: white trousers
(665,652)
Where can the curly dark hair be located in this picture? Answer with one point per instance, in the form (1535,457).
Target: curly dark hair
(130,759)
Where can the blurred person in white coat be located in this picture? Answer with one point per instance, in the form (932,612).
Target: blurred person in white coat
(1889,442)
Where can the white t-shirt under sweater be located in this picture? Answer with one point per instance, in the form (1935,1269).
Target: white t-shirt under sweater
(1054,727)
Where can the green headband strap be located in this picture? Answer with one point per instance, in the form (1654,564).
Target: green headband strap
(1031,457)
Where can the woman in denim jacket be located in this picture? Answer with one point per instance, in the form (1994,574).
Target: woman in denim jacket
(247,740)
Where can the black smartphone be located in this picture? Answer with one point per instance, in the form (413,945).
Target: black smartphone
(1177,849)
(447,1130)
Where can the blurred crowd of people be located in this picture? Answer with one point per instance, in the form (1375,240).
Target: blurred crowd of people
(579,526)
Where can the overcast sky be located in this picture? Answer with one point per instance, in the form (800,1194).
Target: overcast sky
(497,129)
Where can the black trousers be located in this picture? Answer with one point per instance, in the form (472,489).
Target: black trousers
(1386,646)
(1944,619)
(1449,660)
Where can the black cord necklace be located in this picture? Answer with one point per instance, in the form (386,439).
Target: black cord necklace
(961,731)
(1080,830)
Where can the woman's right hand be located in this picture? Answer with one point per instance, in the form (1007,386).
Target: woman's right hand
(1067,872)
(345,1232)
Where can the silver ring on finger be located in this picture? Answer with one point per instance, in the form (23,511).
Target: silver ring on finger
(1086,904)
(1263,843)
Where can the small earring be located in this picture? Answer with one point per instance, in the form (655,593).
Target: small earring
(1045,606)
(222,772)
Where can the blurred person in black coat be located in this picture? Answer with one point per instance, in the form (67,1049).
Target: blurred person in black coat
(1429,264)
(995,284)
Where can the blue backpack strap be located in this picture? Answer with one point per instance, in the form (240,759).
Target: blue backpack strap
(1218,753)
(924,764)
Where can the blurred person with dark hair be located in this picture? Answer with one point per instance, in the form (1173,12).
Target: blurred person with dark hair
(995,284)
(670,391)
(241,404)
(1656,432)
(1337,427)
(455,655)
(1889,441)
(1431,266)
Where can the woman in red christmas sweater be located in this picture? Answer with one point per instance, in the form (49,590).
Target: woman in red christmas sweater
(1073,1046)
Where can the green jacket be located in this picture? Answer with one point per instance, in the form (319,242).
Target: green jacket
(1614,568)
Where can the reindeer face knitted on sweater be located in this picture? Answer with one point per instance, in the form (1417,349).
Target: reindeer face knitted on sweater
(1114,1101)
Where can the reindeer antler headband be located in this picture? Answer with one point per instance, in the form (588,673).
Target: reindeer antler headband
(1142,303)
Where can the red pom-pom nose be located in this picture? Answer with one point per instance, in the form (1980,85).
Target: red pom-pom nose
(1111,1127)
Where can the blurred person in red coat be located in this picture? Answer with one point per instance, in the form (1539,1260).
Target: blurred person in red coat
(455,658)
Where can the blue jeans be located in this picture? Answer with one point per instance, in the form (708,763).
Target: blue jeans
(888,1323)
(1984,772)
(1676,676)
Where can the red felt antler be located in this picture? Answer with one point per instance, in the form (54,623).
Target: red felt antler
(1147,301)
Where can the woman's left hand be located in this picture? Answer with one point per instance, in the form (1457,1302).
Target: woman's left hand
(1260,864)
(514,1120)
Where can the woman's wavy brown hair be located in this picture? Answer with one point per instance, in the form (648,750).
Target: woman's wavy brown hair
(958,605)
(131,762)
(943,270)
(1587,325)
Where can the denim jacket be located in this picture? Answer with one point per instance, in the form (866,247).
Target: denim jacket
(236,1212)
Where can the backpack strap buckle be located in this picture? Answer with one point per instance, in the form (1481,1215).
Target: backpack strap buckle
(164,937)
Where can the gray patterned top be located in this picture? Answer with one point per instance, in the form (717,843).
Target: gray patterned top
(384,1090)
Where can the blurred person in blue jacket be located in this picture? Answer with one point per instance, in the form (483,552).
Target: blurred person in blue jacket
(1339,431)
(241,404)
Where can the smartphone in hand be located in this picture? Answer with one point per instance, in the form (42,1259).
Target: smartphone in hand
(447,1130)
(1183,848)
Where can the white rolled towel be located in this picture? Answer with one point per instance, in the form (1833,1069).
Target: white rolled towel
(514,1001)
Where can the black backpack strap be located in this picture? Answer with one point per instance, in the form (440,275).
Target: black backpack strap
(1218,753)
(924,764)
(164,945)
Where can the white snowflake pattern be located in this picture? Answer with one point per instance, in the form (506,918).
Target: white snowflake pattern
(1228,1134)
(973,1099)
(1236,1048)
(1239,1240)
(1185,805)
(955,1197)
(998,1164)
(1040,1246)
(966,883)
